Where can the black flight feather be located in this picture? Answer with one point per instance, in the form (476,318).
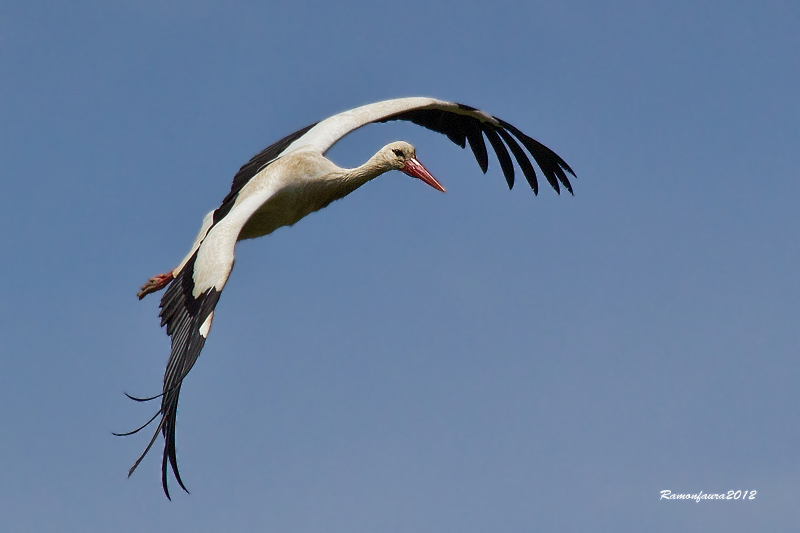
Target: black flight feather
(475,139)
(501,152)
(463,128)
(522,159)
(552,165)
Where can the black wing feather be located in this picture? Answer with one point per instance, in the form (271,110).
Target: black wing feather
(475,140)
(502,153)
(522,159)
(449,124)
(462,129)
(552,165)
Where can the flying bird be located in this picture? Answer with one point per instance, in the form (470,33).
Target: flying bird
(291,179)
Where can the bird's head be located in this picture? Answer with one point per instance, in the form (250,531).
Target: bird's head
(401,156)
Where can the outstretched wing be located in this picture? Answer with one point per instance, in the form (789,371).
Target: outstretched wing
(187,316)
(460,123)
(187,309)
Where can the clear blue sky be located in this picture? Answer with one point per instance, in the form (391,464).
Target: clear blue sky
(404,360)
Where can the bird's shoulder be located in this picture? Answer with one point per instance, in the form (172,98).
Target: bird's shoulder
(289,172)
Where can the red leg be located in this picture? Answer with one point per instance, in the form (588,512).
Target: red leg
(156,283)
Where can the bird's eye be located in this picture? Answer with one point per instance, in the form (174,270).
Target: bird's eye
(398,153)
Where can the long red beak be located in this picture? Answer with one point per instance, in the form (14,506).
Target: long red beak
(415,169)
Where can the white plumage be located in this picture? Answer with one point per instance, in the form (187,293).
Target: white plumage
(291,179)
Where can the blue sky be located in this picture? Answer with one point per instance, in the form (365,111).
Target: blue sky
(406,360)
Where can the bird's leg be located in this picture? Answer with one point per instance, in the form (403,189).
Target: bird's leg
(156,283)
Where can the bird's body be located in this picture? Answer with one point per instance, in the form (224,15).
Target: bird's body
(315,183)
(286,182)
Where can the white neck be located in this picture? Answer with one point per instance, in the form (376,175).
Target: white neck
(350,179)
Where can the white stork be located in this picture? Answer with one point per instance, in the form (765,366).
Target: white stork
(291,179)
